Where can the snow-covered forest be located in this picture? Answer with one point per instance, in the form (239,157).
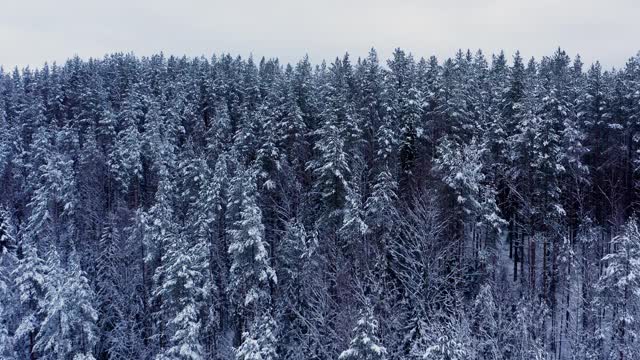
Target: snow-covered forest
(476,207)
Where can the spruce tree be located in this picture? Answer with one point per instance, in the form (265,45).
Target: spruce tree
(618,294)
(69,325)
(30,277)
(365,344)
(251,274)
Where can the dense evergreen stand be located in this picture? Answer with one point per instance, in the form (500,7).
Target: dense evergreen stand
(193,208)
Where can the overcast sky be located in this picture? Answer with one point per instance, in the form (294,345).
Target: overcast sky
(35,31)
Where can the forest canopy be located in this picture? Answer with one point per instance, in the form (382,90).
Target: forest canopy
(479,207)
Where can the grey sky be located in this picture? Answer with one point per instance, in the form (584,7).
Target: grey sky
(35,31)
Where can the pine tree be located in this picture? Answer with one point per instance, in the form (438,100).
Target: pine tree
(512,104)
(484,324)
(161,218)
(365,344)
(526,337)
(354,216)
(30,277)
(6,240)
(54,198)
(162,130)
(9,303)
(117,301)
(259,343)
(380,205)
(455,103)
(331,169)
(463,171)
(219,136)
(107,286)
(293,130)
(6,148)
(6,343)
(451,342)
(294,249)
(125,161)
(128,337)
(182,288)
(406,110)
(296,258)
(251,274)
(330,166)
(269,155)
(161,234)
(69,324)
(618,294)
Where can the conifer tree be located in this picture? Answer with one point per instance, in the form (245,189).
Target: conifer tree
(125,161)
(484,324)
(365,344)
(251,274)
(69,325)
(183,291)
(30,281)
(259,343)
(618,294)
